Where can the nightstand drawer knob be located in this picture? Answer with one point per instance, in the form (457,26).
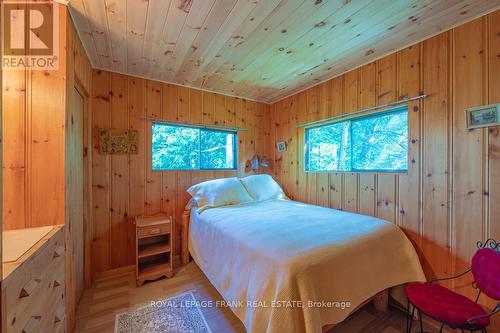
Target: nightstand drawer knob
(154,231)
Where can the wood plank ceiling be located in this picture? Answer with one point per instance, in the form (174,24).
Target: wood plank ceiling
(261,50)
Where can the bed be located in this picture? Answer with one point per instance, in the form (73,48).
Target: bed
(286,266)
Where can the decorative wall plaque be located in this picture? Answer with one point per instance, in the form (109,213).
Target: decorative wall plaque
(482,116)
(114,141)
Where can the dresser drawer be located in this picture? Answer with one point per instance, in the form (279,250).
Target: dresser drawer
(41,315)
(160,229)
(32,289)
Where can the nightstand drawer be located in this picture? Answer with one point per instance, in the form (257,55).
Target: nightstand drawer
(154,246)
(153,230)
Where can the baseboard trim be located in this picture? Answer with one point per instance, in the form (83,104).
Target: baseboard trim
(113,272)
(126,269)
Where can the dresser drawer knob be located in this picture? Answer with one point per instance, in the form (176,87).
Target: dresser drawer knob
(29,287)
(59,280)
(58,251)
(60,314)
(33,324)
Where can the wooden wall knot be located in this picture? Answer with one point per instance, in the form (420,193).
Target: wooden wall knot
(104,98)
(185,5)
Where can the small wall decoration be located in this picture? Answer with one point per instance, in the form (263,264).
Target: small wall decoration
(114,141)
(482,116)
(281,146)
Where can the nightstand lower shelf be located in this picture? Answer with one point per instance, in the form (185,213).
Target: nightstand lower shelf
(154,248)
(153,271)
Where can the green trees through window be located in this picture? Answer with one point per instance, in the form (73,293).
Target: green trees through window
(371,143)
(191,148)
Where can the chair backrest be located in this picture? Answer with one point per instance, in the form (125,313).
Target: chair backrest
(486,271)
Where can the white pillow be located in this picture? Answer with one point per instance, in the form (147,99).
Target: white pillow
(263,187)
(219,192)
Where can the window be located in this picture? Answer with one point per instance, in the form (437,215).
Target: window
(376,143)
(192,148)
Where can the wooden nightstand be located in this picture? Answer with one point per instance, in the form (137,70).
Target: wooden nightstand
(154,239)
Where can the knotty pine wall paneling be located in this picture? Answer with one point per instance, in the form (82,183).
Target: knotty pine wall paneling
(447,199)
(493,62)
(42,149)
(34,104)
(468,155)
(33,137)
(126,186)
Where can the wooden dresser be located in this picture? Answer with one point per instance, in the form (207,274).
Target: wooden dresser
(33,280)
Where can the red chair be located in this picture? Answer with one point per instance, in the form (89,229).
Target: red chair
(455,310)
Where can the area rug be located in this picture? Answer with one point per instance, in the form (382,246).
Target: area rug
(178,314)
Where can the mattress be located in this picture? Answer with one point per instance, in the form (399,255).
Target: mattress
(286,266)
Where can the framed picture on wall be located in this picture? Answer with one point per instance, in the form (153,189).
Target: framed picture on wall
(482,116)
(281,146)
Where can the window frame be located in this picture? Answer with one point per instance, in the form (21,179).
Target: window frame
(200,128)
(399,109)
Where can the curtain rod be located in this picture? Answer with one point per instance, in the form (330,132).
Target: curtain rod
(191,124)
(401,101)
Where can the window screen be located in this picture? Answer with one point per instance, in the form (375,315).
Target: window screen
(190,148)
(371,143)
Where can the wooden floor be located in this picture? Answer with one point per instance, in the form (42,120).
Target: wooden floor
(114,294)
